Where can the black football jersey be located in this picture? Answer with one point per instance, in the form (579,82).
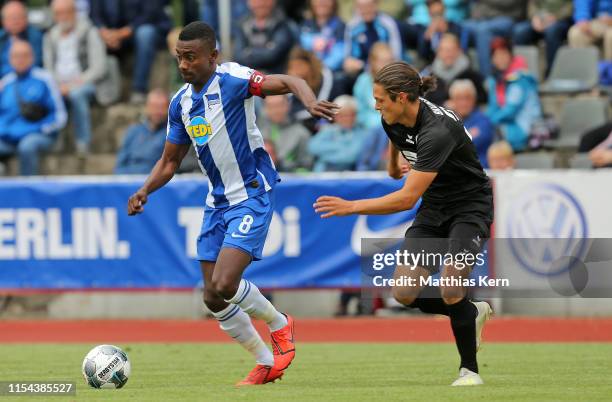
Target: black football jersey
(439,142)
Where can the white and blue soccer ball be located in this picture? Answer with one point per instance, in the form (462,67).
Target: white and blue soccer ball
(106,366)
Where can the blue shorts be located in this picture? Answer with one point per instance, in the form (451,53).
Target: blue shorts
(243,226)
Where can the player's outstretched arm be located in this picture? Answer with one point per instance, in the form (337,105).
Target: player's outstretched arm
(279,84)
(401,200)
(161,174)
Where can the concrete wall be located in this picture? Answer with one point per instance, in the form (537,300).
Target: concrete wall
(311,303)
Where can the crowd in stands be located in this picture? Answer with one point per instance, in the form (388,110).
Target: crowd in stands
(83,54)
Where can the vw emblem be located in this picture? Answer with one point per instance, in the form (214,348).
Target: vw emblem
(545,224)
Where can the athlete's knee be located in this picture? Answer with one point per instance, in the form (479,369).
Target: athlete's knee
(452,295)
(403,296)
(213,301)
(225,287)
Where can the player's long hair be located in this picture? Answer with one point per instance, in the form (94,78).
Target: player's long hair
(400,76)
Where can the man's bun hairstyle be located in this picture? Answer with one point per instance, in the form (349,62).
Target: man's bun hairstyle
(400,76)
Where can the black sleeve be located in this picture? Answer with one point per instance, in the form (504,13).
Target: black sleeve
(433,148)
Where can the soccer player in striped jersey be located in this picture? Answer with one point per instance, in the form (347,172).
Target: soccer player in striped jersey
(214,112)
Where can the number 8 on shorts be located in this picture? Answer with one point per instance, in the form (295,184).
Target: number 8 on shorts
(246,223)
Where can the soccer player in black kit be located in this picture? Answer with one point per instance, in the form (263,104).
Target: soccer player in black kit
(457,208)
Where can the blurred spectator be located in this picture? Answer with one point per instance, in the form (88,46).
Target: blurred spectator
(15,26)
(549,19)
(463,102)
(593,24)
(271,150)
(264,38)
(426,38)
(490,18)
(31,109)
(374,150)
(74,53)
(320,79)
(594,137)
(141,24)
(209,12)
(601,155)
(455,11)
(362,32)
(289,139)
(337,146)
(144,142)
(452,64)
(394,8)
(176,81)
(513,95)
(374,153)
(500,156)
(323,33)
(367,115)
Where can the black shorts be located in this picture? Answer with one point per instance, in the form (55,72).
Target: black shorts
(449,231)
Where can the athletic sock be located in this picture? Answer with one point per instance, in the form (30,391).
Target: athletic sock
(463,321)
(430,301)
(237,324)
(250,299)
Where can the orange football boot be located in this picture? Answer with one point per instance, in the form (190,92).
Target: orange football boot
(283,345)
(261,375)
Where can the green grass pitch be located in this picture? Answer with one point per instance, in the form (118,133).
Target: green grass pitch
(328,372)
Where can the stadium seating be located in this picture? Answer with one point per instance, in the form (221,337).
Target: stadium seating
(574,71)
(536,160)
(532,57)
(577,116)
(581,161)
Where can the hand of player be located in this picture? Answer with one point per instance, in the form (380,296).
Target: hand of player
(136,202)
(333,206)
(324,109)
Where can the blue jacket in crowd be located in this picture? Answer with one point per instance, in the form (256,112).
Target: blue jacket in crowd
(456,11)
(332,38)
(35,86)
(32,35)
(520,110)
(589,9)
(336,148)
(360,36)
(482,131)
(141,149)
(367,115)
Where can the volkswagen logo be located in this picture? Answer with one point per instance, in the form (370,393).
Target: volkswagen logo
(546,223)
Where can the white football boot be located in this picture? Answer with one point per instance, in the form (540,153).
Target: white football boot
(467,377)
(484,313)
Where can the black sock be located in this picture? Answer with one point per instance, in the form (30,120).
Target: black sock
(463,315)
(430,301)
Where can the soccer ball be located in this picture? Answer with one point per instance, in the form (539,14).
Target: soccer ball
(106,366)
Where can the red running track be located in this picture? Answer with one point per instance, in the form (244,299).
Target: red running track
(307,330)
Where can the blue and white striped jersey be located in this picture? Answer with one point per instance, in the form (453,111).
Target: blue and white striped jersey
(220,123)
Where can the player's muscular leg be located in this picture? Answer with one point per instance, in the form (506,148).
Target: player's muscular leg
(407,294)
(230,265)
(212,299)
(454,294)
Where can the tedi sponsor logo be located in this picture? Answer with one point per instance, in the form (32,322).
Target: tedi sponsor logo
(32,233)
(284,234)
